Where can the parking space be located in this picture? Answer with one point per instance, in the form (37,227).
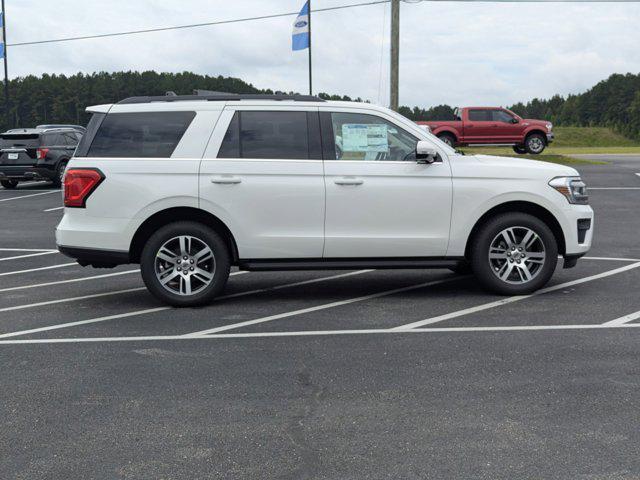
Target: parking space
(416,343)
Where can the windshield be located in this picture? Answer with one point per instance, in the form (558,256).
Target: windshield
(20,141)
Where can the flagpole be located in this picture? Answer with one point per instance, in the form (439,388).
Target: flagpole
(310,75)
(6,69)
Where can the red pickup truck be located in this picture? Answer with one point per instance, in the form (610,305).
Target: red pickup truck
(493,126)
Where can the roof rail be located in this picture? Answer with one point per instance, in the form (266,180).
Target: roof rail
(219,97)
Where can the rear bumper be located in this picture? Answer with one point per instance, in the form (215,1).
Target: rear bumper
(94,257)
(18,172)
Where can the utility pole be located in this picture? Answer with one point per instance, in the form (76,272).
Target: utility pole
(310,74)
(395,53)
(6,70)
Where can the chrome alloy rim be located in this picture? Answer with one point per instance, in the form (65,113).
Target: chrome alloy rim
(516,255)
(536,144)
(185,265)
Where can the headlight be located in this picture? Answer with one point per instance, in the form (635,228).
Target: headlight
(549,126)
(573,188)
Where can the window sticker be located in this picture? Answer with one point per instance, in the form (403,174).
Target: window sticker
(364,137)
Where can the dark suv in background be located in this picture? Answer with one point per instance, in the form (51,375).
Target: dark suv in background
(36,154)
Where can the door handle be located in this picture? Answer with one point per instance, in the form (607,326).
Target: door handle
(228,180)
(348,181)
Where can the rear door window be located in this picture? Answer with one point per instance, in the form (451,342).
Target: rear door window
(480,115)
(146,135)
(269,135)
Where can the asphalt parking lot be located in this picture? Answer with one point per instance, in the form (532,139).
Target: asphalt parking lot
(359,374)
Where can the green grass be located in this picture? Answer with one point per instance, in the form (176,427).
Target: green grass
(572,141)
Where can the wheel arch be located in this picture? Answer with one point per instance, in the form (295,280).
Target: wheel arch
(538,131)
(520,207)
(446,131)
(169,215)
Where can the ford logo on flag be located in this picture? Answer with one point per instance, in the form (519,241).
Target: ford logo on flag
(301,24)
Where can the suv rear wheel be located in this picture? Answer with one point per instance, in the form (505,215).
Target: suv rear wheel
(185,264)
(57,180)
(514,254)
(9,184)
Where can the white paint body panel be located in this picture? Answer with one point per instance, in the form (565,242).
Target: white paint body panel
(294,209)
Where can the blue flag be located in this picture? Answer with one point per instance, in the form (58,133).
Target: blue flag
(300,38)
(1,35)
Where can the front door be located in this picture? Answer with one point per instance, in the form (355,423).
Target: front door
(380,201)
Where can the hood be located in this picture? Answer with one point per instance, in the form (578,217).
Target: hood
(541,123)
(524,167)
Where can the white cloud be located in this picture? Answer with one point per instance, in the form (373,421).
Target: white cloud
(455,53)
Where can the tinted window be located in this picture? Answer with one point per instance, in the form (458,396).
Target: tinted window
(87,138)
(53,139)
(369,137)
(480,115)
(274,135)
(70,139)
(230,147)
(502,116)
(20,141)
(155,134)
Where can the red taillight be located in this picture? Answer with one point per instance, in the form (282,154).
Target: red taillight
(41,153)
(79,183)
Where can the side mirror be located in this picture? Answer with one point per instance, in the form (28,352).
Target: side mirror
(425,153)
(515,120)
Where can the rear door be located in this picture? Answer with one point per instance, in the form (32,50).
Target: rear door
(19,149)
(262,175)
(480,126)
(380,201)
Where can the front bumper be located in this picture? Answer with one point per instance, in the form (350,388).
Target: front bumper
(550,137)
(577,225)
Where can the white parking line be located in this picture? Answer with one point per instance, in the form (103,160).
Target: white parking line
(53,209)
(29,255)
(27,196)
(153,310)
(231,336)
(321,307)
(614,188)
(39,269)
(613,259)
(622,320)
(28,250)
(70,299)
(71,280)
(504,301)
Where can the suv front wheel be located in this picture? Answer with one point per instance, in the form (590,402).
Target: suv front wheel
(185,264)
(514,254)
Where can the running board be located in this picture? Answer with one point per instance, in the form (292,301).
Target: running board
(350,263)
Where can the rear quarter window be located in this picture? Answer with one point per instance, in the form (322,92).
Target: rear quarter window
(146,135)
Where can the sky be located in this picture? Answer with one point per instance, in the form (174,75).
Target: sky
(450,52)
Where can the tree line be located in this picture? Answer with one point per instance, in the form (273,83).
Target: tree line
(614,102)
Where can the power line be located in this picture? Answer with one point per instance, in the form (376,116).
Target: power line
(194,25)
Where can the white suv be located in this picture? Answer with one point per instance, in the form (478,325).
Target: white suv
(188,186)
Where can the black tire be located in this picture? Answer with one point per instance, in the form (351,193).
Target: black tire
(535,143)
(519,149)
(9,184)
(204,236)
(484,269)
(57,180)
(448,139)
